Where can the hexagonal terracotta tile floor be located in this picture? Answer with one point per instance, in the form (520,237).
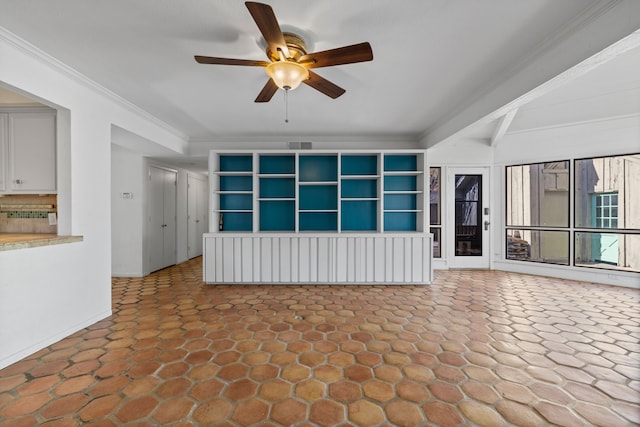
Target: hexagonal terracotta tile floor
(482,348)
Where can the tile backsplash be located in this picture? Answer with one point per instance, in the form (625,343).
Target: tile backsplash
(27,213)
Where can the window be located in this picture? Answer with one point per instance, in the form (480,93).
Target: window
(537,213)
(434,211)
(606,210)
(607,202)
(605,229)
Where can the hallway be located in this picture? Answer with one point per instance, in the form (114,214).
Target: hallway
(485,348)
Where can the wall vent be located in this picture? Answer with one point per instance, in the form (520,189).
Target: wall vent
(299,145)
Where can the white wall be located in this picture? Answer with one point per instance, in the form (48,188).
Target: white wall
(49,292)
(127,220)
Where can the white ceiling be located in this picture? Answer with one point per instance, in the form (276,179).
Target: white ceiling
(432,58)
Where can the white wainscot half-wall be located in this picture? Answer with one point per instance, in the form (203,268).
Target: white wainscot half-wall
(324,259)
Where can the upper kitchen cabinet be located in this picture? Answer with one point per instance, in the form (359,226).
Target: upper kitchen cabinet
(28,152)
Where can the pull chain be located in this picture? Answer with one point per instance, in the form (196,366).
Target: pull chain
(286,105)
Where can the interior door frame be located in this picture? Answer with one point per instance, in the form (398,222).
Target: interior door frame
(454,261)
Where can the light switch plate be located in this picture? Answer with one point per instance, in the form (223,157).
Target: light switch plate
(53,219)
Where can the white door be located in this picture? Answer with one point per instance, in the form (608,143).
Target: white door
(197,207)
(162,218)
(169,214)
(468,214)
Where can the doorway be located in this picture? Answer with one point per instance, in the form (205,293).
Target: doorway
(468,201)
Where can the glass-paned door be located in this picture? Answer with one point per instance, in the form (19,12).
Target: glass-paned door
(470,218)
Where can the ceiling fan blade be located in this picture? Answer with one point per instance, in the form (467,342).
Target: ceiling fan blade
(230,61)
(268,24)
(267,92)
(323,85)
(360,52)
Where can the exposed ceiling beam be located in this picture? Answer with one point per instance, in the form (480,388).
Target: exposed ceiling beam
(503,126)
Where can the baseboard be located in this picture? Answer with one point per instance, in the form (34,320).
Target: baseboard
(21,354)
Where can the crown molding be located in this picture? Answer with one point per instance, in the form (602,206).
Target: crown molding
(59,66)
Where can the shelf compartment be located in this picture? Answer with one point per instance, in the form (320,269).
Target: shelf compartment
(271,164)
(277,188)
(236,221)
(233,192)
(359,215)
(351,177)
(403,192)
(236,163)
(318,197)
(277,215)
(400,162)
(360,188)
(236,183)
(318,221)
(276,175)
(312,183)
(318,168)
(400,202)
(236,202)
(400,221)
(359,165)
(400,183)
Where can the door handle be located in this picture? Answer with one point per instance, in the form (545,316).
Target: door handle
(486,225)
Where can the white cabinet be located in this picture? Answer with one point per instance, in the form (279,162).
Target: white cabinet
(294,258)
(28,152)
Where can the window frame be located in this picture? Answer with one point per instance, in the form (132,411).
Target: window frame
(573,231)
(435,228)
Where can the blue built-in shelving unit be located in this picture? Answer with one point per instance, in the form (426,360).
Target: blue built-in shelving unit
(318,216)
(318,191)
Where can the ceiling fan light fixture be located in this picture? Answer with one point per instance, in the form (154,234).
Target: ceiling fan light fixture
(287,75)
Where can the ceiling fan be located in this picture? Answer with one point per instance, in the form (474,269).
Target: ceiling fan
(289,63)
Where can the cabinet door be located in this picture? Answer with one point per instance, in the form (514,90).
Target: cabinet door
(32,152)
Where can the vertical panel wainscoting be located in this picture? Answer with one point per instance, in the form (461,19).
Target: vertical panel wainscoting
(326,259)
